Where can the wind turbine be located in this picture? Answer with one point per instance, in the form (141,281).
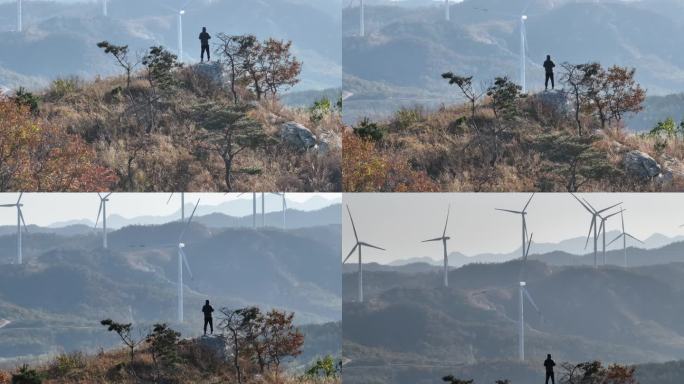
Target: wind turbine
(254,209)
(624,236)
(362,22)
(446,10)
(602,229)
(359,244)
(523,43)
(181,12)
(104,8)
(20,25)
(183,260)
(263,209)
(444,239)
(594,214)
(282,194)
(20,221)
(523,215)
(524,294)
(182,204)
(103,210)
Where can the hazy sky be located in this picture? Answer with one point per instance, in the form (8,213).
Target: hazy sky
(47,208)
(399,222)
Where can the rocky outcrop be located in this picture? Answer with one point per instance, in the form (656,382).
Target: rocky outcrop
(215,343)
(640,164)
(297,136)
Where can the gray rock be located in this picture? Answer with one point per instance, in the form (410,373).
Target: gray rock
(641,165)
(329,142)
(212,71)
(297,136)
(216,343)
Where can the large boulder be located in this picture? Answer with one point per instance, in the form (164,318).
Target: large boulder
(329,142)
(641,165)
(217,344)
(297,136)
(211,71)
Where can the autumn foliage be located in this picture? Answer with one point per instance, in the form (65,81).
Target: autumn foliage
(38,156)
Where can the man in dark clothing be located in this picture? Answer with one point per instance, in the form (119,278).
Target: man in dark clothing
(207,309)
(204,39)
(548,67)
(549,364)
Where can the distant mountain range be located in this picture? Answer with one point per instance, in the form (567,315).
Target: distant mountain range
(54,301)
(410,329)
(406,50)
(65,34)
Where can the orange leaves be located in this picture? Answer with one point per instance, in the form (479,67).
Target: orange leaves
(35,156)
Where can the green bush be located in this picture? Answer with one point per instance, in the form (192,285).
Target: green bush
(320,109)
(325,367)
(69,362)
(369,130)
(27,99)
(62,87)
(26,375)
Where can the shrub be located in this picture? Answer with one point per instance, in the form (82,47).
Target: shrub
(369,130)
(27,375)
(320,109)
(68,362)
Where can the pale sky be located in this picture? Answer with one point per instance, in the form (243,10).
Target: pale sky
(46,208)
(400,221)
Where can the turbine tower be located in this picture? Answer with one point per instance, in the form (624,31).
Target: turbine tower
(359,244)
(103,210)
(263,209)
(20,21)
(624,236)
(444,239)
(523,215)
(594,215)
(284,206)
(183,260)
(362,23)
(523,43)
(20,221)
(181,12)
(182,204)
(602,229)
(524,294)
(254,208)
(104,8)
(447,12)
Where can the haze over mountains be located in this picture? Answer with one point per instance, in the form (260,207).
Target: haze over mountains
(410,329)
(54,301)
(65,34)
(407,48)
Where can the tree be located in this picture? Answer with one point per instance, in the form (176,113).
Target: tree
(163,346)
(574,159)
(125,334)
(227,131)
(624,94)
(573,76)
(465,84)
(234,49)
(504,96)
(283,339)
(453,380)
(35,155)
(160,64)
(594,372)
(667,128)
(237,323)
(324,367)
(279,66)
(27,375)
(120,54)
(26,98)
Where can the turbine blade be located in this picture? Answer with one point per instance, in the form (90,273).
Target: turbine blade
(508,210)
(170,196)
(627,234)
(591,226)
(180,238)
(580,201)
(185,261)
(435,239)
(529,243)
(356,236)
(528,202)
(447,221)
(99,211)
(612,206)
(529,298)
(622,218)
(372,246)
(612,241)
(109,194)
(21,216)
(589,204)
(7,205)
(20,195)
(350,253)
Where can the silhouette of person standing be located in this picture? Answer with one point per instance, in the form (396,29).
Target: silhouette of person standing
(204,39)
(548,67)
(208,309)
(549,364)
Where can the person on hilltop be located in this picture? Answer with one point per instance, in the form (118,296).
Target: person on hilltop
(204,39)
(549,364)
(548,67)
(207,309)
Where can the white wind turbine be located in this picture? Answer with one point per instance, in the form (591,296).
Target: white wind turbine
(181,12)
(284,206)
(20,221)
(254,208)
(444,238)
(182,204)
(359,244)
(602,229)
(103,210)
(104,8)
(523,215)
(523,59)
(447,12)
(362,21)
(263,209)
(624,236)
(524,294)
(593,225)
(20,21)
(183,260)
